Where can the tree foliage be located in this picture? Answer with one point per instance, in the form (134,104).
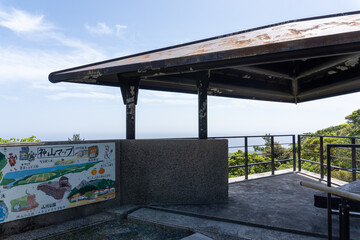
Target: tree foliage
(280,152)
(340,157)
(261,155)
(12,140)
(310,150)
(76,137)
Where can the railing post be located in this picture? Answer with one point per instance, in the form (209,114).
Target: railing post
(299,152)
(353,158)
(328,169)
(344,219)
(272,156)
(294,153)
(246,158)
(321,157)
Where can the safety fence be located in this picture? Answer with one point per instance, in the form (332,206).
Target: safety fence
(267,153)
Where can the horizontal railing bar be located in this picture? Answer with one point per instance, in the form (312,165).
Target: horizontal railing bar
(310,152)
(257,145)
(345,158)
(248,146)
(335,191)
(284,160)
(255,136)
(333,156)
(260,163)
(333,167)
(357,170)
(326,136)
(344,145)
(305,160)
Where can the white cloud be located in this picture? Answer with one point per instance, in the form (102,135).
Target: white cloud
(22,22)
(103,29)
(81,95)
(120,29)
(100,29)
(83,50)
(154,97)
(19,64)
(32,65)
(11,98)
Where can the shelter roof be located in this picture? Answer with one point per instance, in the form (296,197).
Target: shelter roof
(293,61)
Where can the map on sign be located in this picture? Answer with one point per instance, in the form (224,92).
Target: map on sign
(41,179)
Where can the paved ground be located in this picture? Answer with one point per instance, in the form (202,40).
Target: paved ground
(215,229)
(122,229)
(277,202)
(108,225)
(267,208)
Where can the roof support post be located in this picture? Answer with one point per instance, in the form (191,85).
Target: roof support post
(202,82)
(129,91)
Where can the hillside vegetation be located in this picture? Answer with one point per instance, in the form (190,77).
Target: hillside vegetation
(310,147)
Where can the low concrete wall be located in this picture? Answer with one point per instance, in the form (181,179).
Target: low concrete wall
(151,172)
(173,171)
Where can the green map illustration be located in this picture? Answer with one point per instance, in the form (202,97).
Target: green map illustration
(2,164)
(31,176)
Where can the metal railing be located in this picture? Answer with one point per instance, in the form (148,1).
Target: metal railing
(269,143)
(317,154)
(343,207)
(302,153)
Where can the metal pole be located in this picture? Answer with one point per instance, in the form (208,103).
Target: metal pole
(299,152)
(130,120)
(272,156)
(344,219)
(129,90)
(246,158)
(294,153)
(353,158)
(328,168)
(321,157)
(202,85)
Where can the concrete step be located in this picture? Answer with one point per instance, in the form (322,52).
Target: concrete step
(63,227)
(209,227)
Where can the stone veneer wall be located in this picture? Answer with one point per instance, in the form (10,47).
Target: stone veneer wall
(175,171)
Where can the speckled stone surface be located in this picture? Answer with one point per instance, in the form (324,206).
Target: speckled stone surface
(174,171)
(278,202)
(211,228)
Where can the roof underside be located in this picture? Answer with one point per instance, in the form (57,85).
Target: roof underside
(294,62)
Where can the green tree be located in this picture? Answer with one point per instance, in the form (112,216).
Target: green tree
(12,140)
(76,137)
(280,152)
(340,157)
(89,194)
(238,158)
(354,119)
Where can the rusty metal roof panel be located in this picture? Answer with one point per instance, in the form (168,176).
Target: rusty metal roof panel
(291,31)
(294,40)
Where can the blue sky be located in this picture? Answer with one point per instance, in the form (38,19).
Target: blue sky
(40,36)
